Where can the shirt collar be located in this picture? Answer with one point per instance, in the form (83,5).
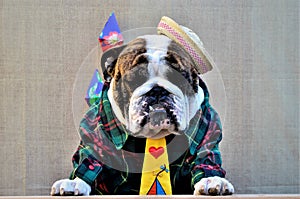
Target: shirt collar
(118,134)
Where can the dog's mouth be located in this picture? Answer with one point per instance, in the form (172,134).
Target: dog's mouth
(159,110)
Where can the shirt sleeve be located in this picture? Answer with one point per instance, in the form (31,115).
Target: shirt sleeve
(86,163)
(86,166)
(208,161)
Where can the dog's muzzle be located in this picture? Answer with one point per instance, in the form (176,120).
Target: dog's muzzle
(157,108)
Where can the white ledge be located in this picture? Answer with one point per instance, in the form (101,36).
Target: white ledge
(235,196)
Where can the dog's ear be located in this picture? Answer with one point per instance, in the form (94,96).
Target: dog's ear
(108,61)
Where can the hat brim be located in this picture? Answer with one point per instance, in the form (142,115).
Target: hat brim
(175,32)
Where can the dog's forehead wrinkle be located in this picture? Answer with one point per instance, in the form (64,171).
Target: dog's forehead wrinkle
(156,50)
(137,45)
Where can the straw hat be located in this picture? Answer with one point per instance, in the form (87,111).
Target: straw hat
(189,41)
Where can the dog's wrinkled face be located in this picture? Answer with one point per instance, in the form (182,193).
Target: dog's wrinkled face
(154,88)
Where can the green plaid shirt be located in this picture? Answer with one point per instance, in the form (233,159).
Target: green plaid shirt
(110,160)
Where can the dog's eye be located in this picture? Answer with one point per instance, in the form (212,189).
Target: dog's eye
(135,77)
(140,59)
(171,59)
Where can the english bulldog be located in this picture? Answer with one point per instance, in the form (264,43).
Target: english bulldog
(152,90)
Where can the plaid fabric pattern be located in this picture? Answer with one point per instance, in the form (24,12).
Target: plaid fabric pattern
(102,135)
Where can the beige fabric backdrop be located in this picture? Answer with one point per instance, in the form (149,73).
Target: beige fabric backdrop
(254,43)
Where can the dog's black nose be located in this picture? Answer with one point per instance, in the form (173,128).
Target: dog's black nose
(158,91)
(156,95)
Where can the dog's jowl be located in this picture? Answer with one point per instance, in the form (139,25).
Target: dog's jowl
(153,130)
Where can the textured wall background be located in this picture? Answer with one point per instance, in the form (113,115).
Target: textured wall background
(254,43)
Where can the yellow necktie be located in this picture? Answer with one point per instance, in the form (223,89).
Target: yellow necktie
(156,172)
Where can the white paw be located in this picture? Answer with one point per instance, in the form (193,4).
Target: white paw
(75,187)
(213,186)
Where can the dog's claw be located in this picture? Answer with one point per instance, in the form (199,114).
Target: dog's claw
(76,192)
(61,191)
(53,192)
(227,192)
(213,191)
